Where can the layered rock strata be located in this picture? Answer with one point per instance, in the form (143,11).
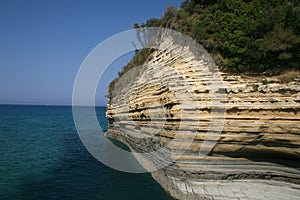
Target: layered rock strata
(256,153)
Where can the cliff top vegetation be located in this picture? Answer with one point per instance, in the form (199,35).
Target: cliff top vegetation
(242,36)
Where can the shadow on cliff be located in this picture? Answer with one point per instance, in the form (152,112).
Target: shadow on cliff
(266,156)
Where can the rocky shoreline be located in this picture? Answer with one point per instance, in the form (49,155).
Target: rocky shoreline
(255,155)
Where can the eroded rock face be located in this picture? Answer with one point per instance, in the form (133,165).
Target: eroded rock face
(257,153)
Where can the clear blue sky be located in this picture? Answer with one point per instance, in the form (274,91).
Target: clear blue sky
(43,43)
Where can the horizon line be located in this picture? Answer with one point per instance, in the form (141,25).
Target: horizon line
(28,104)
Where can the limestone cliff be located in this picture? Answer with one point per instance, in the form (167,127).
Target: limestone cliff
(256,155)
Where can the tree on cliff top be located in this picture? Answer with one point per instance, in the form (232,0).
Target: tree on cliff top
(241,35)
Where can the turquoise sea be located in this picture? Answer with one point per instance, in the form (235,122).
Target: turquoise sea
(41,157)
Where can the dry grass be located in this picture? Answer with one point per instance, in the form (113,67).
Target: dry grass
(288,76)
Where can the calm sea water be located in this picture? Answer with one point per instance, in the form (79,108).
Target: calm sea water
(41,157)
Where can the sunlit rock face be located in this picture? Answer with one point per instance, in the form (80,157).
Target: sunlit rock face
(237,140)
